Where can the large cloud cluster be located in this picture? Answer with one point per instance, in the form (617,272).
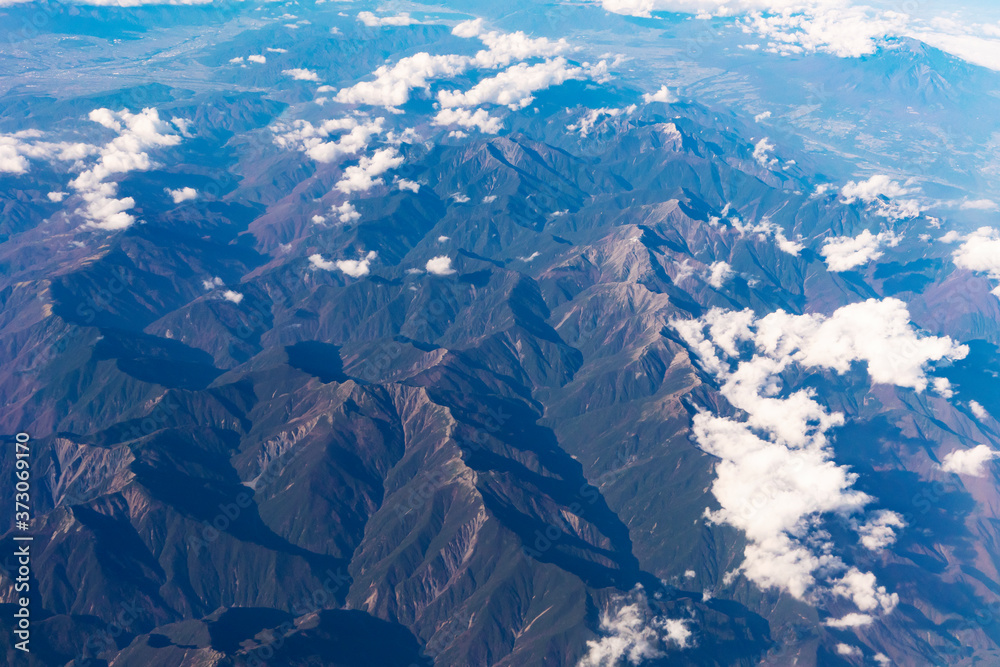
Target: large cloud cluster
(776,478)
(354,136)
(137,134)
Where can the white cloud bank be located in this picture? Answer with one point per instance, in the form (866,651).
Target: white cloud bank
(373,21)
(367,173)
(970,462)
(775,477)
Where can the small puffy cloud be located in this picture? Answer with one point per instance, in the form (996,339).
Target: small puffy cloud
(271,49)
(852,620)
(980,252)
(479,119)
(439,266)
(259,59)
(373,21)
(230,295)
(590,118)
(662,95)
(346,212)
(846,253)
(489,198)
(301,74)
(318,219)
(880,530)
(879,185)
(366,174)
(633,633)
(212,283)
(762,153)
(848,650)
(355,268)
(406,184)
(762,116)
(978,410)
(719,273)
(57,196)
(468,29)
(235,61)
(182,194)
(970,462)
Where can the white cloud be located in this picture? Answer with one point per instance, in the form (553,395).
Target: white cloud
(406,184)
(318,219)
(879,531)
(489,198)
(764,230)
(392,85)
(504,48)
(978,410)
(259,59)
(212,283)
(980,252)
(848,650)
(590,118)
(979,205)
(719,273)
(276,50)
(301,74)
(633,633)
(882,659)
(373,21)
(762,116)
(355,268)
(844,31)
(57,196)
(514,87)
(346,212)
(886,196)
(366,173)
(355,136)
(845,253)
(662,95)
(852,620)
(230,295)
(439,266)
(971,462)
(15,149)
(182,194)
(137,133)
(879,185)
(479,119)
(762,153)
(775,477)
